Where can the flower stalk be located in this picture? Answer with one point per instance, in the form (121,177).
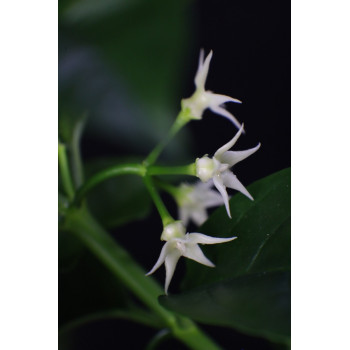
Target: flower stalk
(181,120)
(162,210)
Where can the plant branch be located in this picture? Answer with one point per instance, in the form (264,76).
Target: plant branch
(123,169)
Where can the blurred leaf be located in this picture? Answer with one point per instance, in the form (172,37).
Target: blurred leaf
(249,289)
(122,61)
(119,200)
(89,292)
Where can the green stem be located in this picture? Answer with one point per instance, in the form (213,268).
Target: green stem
(84,226)
(64,170)
(166,186)
(77,164)
(132,168)
(123,169)
(172,170)
(181,120)
(163,211)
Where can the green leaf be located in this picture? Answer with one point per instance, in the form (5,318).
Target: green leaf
(249,289)
(123,62)
(119,200)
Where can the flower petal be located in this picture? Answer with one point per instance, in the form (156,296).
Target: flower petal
(211,199)
(170,264)
(184,215)
(161,259)
(200,186)
(195,253)
(218,182)
(230,180)
(196,238)
(233,157)
(202,72)
(222,111)
(228,145)
(217,99)
(199,216)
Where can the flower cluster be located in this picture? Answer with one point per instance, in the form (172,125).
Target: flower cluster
(194,200)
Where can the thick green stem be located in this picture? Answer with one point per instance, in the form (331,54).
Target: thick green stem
(181,120)
(118,261)
(163,211)
(123,169)
(64,170)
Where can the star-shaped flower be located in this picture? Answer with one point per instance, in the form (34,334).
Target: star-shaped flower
(202,99)
(217,168)
(193,200)
(180,244)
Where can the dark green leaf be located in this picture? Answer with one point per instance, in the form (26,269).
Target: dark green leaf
(256,304)
(249,289)
(118,200)
(122,62)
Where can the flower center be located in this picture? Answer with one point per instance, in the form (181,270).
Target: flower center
(173,230)
(206,168)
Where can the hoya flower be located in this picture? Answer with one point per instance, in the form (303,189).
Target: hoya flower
(202,99)
(217,168)
(193,200)
(178,243)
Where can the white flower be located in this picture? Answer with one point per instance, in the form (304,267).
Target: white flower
(193,200)
(217,168)
(202,99)
(180,244)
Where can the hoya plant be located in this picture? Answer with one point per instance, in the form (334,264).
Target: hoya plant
(241,281)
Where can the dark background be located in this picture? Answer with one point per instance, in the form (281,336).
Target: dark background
(130,108)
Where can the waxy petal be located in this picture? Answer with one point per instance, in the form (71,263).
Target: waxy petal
(222,111)
(170,264)
(218,182)
(234,157)
(199,216)
(184,215)
(195,253)
(228,145)
(202,72)
(212,199)
(164,252)
(217,99)
(230,180)
(200,238)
